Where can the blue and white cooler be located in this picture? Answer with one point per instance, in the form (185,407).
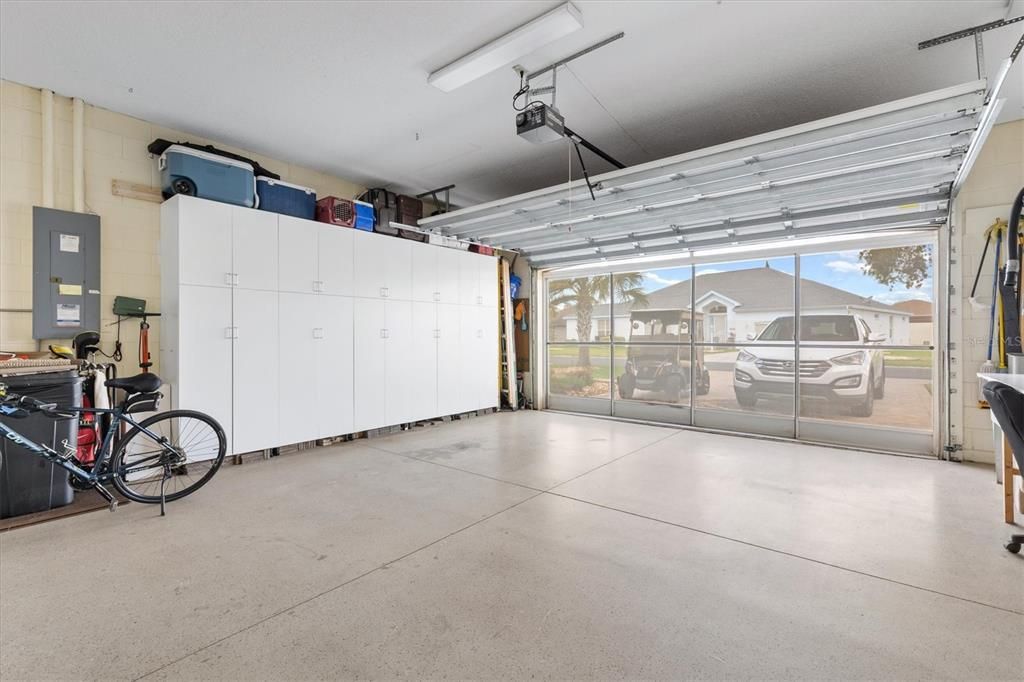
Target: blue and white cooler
(196,173)
(364,216)
(279,196)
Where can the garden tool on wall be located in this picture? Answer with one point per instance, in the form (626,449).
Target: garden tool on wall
(995,231)
(1009,286)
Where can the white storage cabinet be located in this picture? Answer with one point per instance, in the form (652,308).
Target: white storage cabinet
(288,330)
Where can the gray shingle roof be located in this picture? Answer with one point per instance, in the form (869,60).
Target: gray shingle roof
(760,288)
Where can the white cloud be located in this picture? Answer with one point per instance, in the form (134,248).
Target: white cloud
(708,271)
(655,278)
(845,266)
(891,297)
(853,255)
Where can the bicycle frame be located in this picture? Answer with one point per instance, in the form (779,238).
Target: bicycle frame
(99,472)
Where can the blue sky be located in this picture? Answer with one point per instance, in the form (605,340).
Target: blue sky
(840,269)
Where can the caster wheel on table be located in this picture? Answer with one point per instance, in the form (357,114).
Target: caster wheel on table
(1012,547)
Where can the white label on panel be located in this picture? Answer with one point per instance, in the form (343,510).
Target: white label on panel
(69,315)
(69,243)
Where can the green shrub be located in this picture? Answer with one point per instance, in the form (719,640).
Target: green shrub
(570,380)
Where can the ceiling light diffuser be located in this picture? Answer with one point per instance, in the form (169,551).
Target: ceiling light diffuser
(531,36)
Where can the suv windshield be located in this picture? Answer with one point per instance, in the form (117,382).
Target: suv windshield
(815,328)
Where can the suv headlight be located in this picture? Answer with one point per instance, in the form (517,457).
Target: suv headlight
(859,357)
(744,356)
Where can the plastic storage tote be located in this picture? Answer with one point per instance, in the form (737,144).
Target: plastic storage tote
(208,176)
(283,197)
(364,216)
(29,483)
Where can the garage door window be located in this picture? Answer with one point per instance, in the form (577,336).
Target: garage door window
(831,346)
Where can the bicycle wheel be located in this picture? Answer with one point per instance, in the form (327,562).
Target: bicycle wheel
(187,451)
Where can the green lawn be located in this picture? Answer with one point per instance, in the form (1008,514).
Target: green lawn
(908,358)
(595,352)
(893,358)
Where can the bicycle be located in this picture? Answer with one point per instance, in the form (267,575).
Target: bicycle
(169,448)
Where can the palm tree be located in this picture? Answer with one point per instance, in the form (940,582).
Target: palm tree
(586,292)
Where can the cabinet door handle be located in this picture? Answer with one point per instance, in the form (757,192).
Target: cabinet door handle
(234,278)
(318,332)
(437,295)
(437,333)
(228,279)
(479,300)
(479,333)
(383,292)
(228,334)
(383,333)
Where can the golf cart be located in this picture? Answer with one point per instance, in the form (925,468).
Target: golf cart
(664,368)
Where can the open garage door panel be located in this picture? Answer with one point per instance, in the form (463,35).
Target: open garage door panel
(892,166)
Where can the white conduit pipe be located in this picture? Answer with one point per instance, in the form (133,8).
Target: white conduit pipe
(48,168)
(78,154)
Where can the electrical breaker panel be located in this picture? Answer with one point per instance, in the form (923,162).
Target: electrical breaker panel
(65,273)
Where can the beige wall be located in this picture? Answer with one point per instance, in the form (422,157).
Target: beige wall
(115,148)
(994,181)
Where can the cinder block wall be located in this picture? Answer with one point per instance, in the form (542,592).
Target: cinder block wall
(115,148)
(996,178)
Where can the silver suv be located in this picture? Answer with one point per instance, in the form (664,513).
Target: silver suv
(850,372)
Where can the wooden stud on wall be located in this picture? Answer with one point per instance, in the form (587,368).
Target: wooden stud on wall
(134,190)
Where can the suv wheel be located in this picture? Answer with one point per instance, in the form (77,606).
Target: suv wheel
(867,405)
(880,388)
(745,398)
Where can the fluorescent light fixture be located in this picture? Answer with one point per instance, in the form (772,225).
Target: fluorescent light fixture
(531,36)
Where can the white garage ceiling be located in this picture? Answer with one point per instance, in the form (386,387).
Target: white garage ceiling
(341,87)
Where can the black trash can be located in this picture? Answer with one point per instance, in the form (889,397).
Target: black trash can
(28,483)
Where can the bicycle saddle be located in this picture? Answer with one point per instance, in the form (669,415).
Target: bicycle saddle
(140,383)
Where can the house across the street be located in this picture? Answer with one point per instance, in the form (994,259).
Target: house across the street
(739,303)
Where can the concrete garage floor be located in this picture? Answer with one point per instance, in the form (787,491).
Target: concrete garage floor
(531,545)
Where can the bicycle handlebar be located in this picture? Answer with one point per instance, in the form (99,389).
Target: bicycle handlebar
(28,404)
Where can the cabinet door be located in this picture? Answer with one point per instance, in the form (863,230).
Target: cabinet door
(470,344)
(487,271)
(369,328)
(423,362)
(399,388)
(489,354)
(297,255)
(334,260)
(399,262)
(297,369)
(204,242)
(451,368)
(254,368)
(448,261)
(469,278)
(204,354)
(254,248)
(334,361)
(371,264)
(424,272)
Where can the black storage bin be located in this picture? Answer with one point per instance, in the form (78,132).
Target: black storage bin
(29,483)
